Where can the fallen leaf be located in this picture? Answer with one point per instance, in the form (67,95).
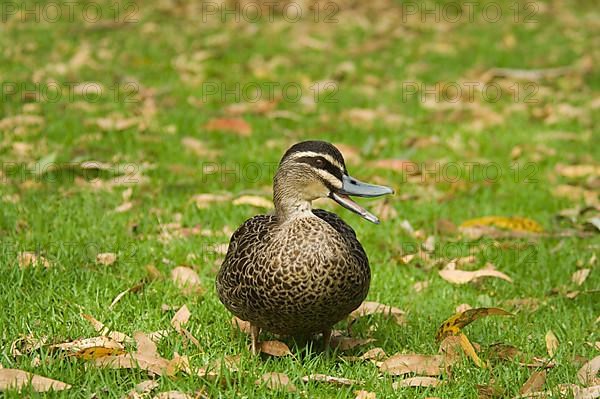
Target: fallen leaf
(106,259)
(253,200)
(121,294)
(275,348)
(234,125)
(26,259)
(186,279)
(144,388)
(368,308)
(347,343)
(26,344)
(417,382)
(420,286)
(513,223)
(400,364)
(18,379)
(588,393)
(145,345)
(588,374)
(90,348)
(276,381)
(374,354)
(577,171)
(145,358)
(204,200)
(124,207)
(508,352)
(198,148)
(180,318)
(330,379)
(365,395)
(455,276)
(551,343)
(534,383)
(103,330)
(242,325)
(454,324)
(580,276)
(172,395)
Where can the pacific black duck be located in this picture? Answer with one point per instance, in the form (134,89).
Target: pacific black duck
(300,270)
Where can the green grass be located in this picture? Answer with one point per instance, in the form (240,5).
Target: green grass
(69,222)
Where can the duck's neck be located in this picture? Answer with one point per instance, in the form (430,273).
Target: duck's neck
(288,203)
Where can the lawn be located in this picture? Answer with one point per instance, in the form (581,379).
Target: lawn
(151,130)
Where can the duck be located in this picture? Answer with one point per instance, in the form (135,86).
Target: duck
(298,271)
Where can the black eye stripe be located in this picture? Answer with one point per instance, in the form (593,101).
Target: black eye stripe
(325,165)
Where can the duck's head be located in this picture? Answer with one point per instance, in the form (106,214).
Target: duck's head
(316,169)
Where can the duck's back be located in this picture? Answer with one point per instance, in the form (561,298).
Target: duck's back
(296,277)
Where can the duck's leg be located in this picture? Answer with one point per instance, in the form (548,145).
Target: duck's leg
(326,340)
(254,333)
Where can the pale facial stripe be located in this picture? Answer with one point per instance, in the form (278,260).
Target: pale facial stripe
(328,177)
(328,157)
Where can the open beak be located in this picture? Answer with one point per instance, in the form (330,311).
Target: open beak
(352,186)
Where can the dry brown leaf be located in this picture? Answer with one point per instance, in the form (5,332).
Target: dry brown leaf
(106,258)
(142,389)
(509,352)
(103,330)
(26,259)
(234,125)
(588,374)
(454,324)
(198,148)
(275,348)
(417,382)
(145,345)
(551,343)
(242,325)
(587,393)
(577,171)
(121,294)
(365,395)
(253,200)
(374,354)
(401,364)
(18,379)
(580,276)
(204,200)
(186,279)
(76,347)
(420,286)
(368,308)
(26,344)
(154,365)
(455,276)
(347,343)
(453,347)
(180,318)
(172,395)
(276,381)
(330,379)
(534,383)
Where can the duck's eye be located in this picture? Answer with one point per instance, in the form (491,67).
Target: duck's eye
(319,162)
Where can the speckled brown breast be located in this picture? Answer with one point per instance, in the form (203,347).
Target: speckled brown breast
(297,278)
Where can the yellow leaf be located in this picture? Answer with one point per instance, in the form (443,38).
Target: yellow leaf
(453,325)
(514,223)
(97,352)
(470,351)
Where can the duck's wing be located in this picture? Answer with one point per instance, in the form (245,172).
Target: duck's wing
(246,243)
